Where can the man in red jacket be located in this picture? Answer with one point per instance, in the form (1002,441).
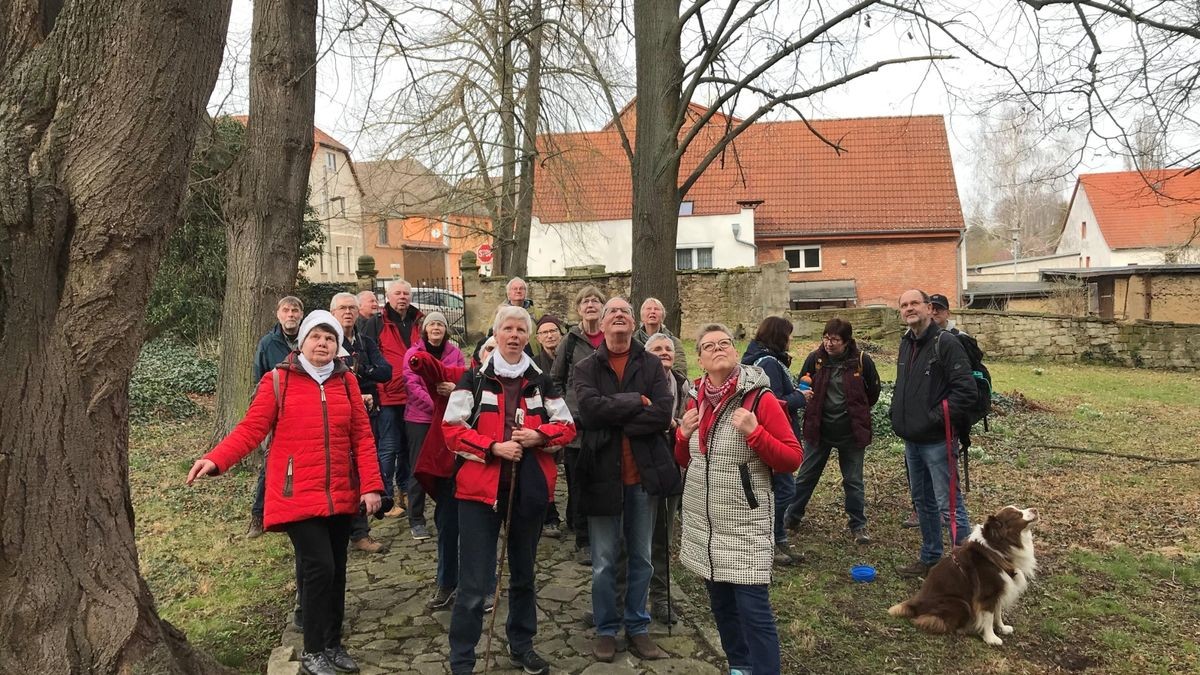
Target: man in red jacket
(396,328)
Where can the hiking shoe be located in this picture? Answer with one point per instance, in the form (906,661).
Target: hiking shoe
(298,618)
(369,545)
(912,521)
(604,648)
(583,555)
(315,663)
(530,662)
(489,603)
(785,554)
(916,569)
(442,598)
(860,536)
(645,649)
(664,613)
(551,530)
(396,511)
(255,529)
(341,660)
(420,532)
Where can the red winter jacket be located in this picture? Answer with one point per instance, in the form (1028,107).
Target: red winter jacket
(435,460)
(394,347)
(545,411)
(316,428)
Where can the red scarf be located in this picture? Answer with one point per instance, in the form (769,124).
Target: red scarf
(714,395)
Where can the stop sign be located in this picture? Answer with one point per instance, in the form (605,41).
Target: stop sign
(484,253)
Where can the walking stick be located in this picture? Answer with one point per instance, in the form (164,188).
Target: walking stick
(667,531)
(512,489)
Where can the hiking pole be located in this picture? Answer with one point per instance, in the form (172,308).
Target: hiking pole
(512,490)
(667,533)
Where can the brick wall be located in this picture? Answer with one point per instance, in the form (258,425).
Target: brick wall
(882,268)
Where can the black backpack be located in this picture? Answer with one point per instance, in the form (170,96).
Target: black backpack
(983,378)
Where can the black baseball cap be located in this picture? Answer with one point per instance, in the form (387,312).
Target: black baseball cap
(939,300)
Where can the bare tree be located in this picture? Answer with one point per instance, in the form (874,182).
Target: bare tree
(268,188)
(99,108)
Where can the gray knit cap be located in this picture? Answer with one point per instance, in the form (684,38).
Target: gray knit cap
(432,317)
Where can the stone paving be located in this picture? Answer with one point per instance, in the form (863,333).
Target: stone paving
(389,630)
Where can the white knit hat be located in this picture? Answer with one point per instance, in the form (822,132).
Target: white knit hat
(320,317)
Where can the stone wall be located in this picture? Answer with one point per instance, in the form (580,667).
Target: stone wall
(1143,344)
(739,297)
(869,323)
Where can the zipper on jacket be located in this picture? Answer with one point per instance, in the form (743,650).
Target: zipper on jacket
(287,479)
(328,468)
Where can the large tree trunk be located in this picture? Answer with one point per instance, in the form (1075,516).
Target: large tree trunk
(530,115)
(505,231)
(655,155)
(98,117)
(266,208)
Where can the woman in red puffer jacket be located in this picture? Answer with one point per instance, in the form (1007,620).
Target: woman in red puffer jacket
(321,466)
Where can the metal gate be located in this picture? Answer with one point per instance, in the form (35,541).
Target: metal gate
(443,294)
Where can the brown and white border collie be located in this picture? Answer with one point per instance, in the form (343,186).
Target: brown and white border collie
(971,588)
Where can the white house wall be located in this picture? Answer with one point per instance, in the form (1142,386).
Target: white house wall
(555,246)
(342,226)
(1094,245)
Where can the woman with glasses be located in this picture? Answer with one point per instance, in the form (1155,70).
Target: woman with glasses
(845,385)
(734,434)
(769,351)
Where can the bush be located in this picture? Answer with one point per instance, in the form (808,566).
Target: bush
(881,421)
(317,295)
(165,373)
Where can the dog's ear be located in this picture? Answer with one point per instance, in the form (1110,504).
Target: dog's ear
(992,528)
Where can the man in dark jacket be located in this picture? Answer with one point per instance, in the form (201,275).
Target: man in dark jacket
(845,385)
(273,349)
(625,466)
(394,330)
(933,377)
(365,360)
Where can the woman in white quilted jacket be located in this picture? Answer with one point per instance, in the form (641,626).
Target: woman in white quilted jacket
(733,435)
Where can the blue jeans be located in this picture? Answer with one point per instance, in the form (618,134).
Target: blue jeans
(746,625)
(783,485)
(478,529)
(445,515)
(391,449)
(929,476)
(850,461)
(637,525)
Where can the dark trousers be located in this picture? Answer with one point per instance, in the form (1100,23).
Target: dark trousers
(783,487)
(850,460)
(415,432)
(660,547)
(575,520)
(320,545)
(260,492)
(445,515)
(478,530)
(746,625)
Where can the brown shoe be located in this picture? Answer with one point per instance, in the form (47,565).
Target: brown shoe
(369,545)
(604,648)
(644,648)
(916,569)
(255,529)
(396,511)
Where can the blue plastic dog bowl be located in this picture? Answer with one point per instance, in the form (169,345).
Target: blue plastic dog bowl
(863,574)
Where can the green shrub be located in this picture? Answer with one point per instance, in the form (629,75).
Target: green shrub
(165,373)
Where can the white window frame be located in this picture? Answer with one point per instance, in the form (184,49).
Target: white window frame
(801,250)
(695,252)
(331,161)
(337,259)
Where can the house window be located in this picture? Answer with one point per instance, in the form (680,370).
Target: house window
(338,207)
(803,258)
(321,258)
(685,208)
(1083,230)
(693,258)
(349,257)
(1087,262)
(383,233)
(331,161)
(337,259)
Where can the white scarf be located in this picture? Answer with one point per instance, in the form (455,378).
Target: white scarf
(503,368)
(318,373)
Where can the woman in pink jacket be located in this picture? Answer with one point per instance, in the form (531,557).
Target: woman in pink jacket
(418,413)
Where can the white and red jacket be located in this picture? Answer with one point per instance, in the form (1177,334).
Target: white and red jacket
(471,435)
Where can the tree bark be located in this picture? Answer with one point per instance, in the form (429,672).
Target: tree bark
(659,74)
(270,188)
(99,106)
(530,116)
(505,232)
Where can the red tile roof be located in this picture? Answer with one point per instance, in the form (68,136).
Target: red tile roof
(895,174)
(1144,210)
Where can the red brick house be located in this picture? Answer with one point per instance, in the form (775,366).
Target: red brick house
(859,224)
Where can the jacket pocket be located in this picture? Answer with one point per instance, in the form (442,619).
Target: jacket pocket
(747,487)
(287,479)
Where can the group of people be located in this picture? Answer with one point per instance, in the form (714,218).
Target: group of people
(376,406)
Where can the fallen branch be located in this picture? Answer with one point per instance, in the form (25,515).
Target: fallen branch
(1122,455)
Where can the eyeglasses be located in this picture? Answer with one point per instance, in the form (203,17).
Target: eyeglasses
(833,340)
(619,310)
(591,300)
(346,308)
(722,345)
(549,331)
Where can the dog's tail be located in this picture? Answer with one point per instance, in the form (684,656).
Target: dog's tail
(901,610)
(931,623)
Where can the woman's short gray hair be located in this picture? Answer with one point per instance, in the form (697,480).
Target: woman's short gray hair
(711,328)
(659,337)
(507,312)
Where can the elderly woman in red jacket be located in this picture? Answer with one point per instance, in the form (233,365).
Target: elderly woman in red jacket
(321,469)
(733,435)
(505,421)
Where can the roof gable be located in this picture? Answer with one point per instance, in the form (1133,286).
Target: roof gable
(893,174)
(1151,209)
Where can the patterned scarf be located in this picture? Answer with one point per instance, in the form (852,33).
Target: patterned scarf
(714,395)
